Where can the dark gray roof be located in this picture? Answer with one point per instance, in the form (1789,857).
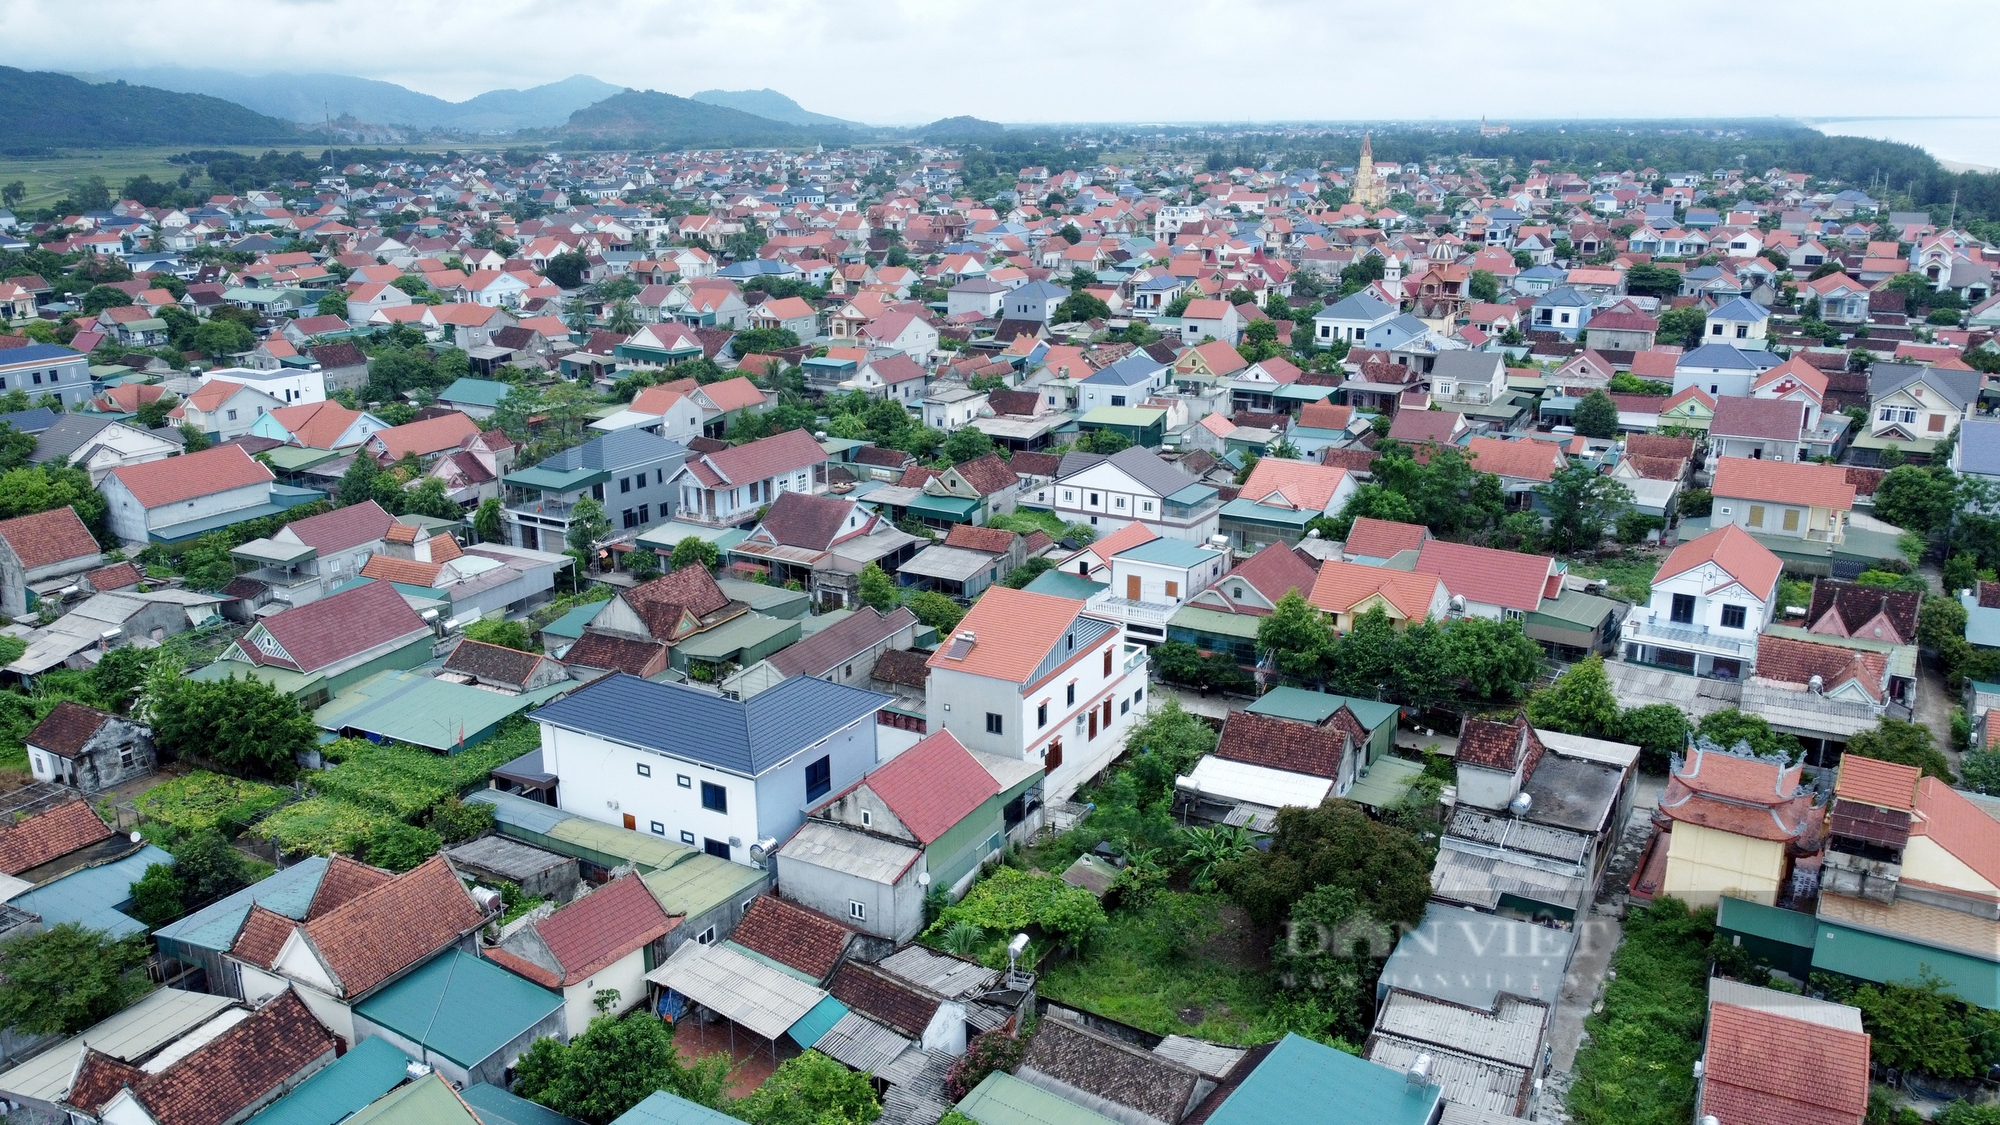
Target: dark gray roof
(1959,387)
(1564,295)
(1364,305)
(68,434)
(1138,462)
(1468,365)
(1727,358)
(30,421)
(1979,447)
(746,737)
(1130,371)
(620,449)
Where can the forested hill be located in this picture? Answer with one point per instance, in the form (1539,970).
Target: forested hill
(41,110)
(651,116)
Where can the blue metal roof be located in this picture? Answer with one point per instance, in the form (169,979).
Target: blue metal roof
(1740,308)
(495,1106)
(1130,371)
(662,1108)
(288,892)
(37,353)
(355,1080)
(746,737)
(818,1022)
(92,897)
(1727,358)
(1301,1080)
(1979,446)
(1169,552)
(463,1007)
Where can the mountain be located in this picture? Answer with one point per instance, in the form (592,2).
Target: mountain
(960,127)
(648,115)
(44,109)
(313,98)
(768,103)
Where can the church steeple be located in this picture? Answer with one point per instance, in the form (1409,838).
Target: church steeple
(1367,190)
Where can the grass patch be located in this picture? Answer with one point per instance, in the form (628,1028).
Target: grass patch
(1026,520)
(49,178)
(322,826)
(1638,1066)
(1183,965)
(201,800)
(1629,576)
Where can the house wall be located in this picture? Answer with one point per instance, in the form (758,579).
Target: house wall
(1708,609)
(134,523)
(959,702)
(954,857)
(781,791)
(1766,518)
(895,911)
(1925,862)
(1704,864)
(1485,788)
(101,764)
(627,975)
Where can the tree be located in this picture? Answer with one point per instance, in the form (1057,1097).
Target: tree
(333,304)
(192,440)
(964,445)
(429,498)
(1080,307)
(26,491)
(357,484)
(1336,844)
(1483,286)
(587,525)
(811,1089)
(1683,326)
(1730,726)
(13,193)
(399,847)
(1297,637)
(499,631)
(614,1065)
(218,337)
(763,341)
(156,897)
(1582,503)
(878,589)
(693,551)
(1648,280)
(1579,702)
(152,415)
(937,611)
(1657,729)
(566,269)
(101,297)
(244,726)
(1596,415)
(1914,498)
(1919,1027)
(486,522)
(1019,577)
(1905,743)
(67,978)
(1492,659)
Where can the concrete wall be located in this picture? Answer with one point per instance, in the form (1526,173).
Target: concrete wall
(895,911)
(1704,864)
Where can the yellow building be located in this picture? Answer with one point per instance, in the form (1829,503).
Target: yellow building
(1734,824)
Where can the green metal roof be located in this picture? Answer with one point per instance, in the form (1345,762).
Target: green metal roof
(647,852)
(1201,620)
(297,458)
(91,897)
(662,1108)
(1193,494)
(427,1101)
(1872,956)
(356,1079)
(463,1007)
(1576,608)
(414,708)
(555,480)
(945,507)
(1136,416)
(214,927)
(667,536)
(478,392)
(771,601)
(817,1022)
(282,680)
(571,624)
(1301,1080)
(1169,552)
(734,636)
(1063,584)
(701,884)
(1304,392)
(1002,1099)
(498,1107)
(1244,508)
(1789,927)
(1386,782)
(1308,706)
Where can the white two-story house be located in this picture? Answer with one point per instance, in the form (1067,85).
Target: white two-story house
(1915,407)
(731,485)
(722,775)
(1711,600)
(1132,485)
(1351,318)
(1035,678)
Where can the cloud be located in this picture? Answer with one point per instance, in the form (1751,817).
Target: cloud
(897,61)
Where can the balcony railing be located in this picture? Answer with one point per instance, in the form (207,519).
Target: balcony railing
(1688,637)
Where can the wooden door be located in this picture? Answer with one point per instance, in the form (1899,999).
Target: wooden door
(631,822)
(1054,758)
(1132,587)
(1093,722)
(1107,714)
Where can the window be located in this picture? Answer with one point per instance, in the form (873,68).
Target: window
(1093,498)
(819,778)
(867,818)
(714,797)
(232,414)
(1146,506)
(1107,662)
(1071,699)
(1041,714)
(624,484)
(1756,515)
(1137,696)
(684,781)
(1120,502)
(659,829)
(717,848)
(1173,589)
(1791,519)
(645,770)
(687,837)
(1715,329)
(857,911)
(1732,617)
(706,937)
(1068,495)
(993,722)
(1683,609)
(1742,331)
(630,517)
(1117,400)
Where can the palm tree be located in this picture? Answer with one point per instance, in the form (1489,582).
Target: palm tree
(622,319)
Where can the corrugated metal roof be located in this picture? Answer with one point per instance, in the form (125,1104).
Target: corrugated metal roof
(1308,706)
(1511,1034)
(463,1007)
(700,883)
(162,1017)
(366,1072)
(815,1024)
(91,897)
(648,852)
(1225,780)
(662,1108)
(1465,1079)
(949,977)
(1301,1080)
(861,1044)
(498,1107)
(755,996)
(1465,957)
(513,811)
(1212,1059)
(288,892)
(1791,1005)
(1002,1099)
(849,851)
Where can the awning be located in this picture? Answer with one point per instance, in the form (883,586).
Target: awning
(752,995)
(818,1022)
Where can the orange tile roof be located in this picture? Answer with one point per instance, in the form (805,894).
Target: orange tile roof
(48,537)
(50,835)
(1300,485)
(1014,631)
(191,475)
(1787,661)
(408,572)
(1378,539)
(1124,539)
(1733,549)
(1886,785)
(1340,586)
(388,929)
(316,425)
(1766,1069)
(432,435)
(1959,827)
(1524,460)
(1783,482)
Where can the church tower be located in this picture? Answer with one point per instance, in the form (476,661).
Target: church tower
(1367,190)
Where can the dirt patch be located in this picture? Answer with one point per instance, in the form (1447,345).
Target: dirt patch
(1236,941)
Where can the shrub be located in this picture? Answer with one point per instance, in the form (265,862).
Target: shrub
(202,801)
(321,826)
(457,822)
(811,1089)
(1012,900)
(1637,1067)
(995,1050)
(399,847)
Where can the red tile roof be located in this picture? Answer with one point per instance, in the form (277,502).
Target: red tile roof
(158,483)
(316,425)
(1733,549)
(1486,575)
(662,602)
(1763,418)
(791,935)
(1744,796)
(223,1078)
(773,456)
(46,538)
(98,1079)
(1525,459)
(992,540)
(1767,1069)
(386,930)
(1284,744)
(334,628)
(1783,482)
(1499,745)
(987,475)
(117,576)
(932,786)
(343,528)
(432,435)
(1341,586)
(1959,827)
(67,728)
(800,519)
(1298,485)
(1014,631)
(618,654)
(1379,539)
(344,881)
(1789,661)
(1885,785)
(49,835)
(262,937)
(734,394)
(591,932)
(882,998)
(1415,427)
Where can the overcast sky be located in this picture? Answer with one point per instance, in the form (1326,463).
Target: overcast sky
(906,61)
